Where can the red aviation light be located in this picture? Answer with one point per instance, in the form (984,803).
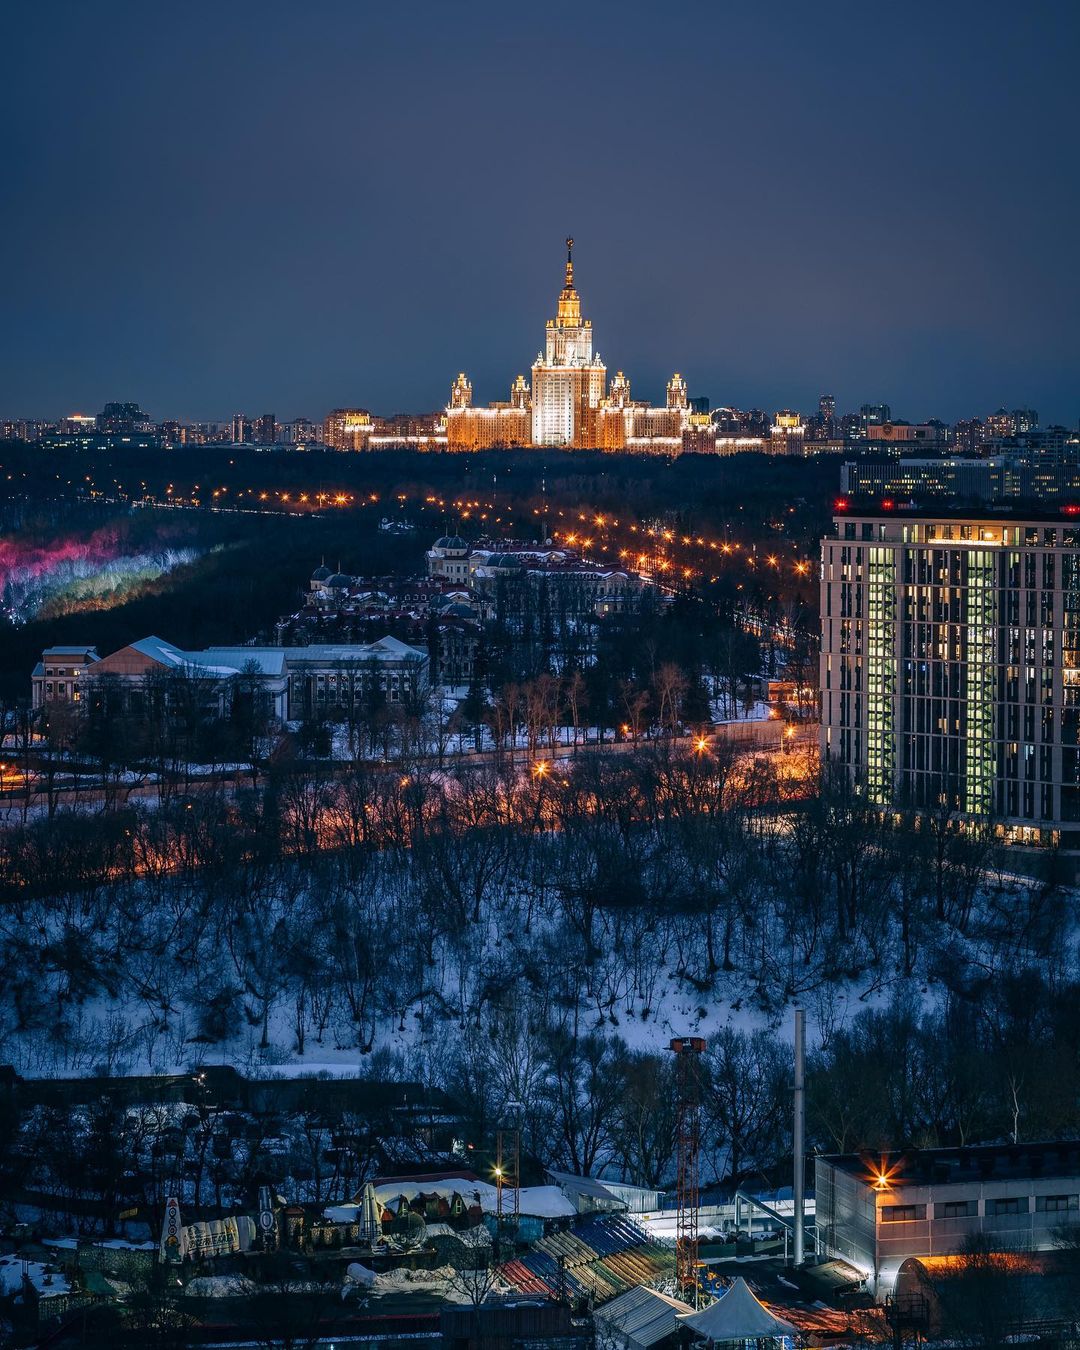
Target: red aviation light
(841,504)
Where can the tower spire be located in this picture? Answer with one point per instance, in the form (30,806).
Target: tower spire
(569,262)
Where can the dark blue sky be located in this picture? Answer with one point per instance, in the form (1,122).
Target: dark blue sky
(221,206)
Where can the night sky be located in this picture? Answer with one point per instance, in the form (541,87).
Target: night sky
(211,207)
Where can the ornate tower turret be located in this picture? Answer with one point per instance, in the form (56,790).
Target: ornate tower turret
(619,396)
(461,392)
(676,393)
(519,393)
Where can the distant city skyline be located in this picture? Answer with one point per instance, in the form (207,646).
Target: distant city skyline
(88,418)
(269,207)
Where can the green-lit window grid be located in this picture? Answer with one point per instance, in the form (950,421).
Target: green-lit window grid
(881,675)
(979,727)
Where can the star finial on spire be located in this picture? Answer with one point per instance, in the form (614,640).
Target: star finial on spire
(569,262)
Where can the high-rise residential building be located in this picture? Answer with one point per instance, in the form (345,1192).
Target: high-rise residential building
(303,429)
(1024,420)
(266,429)
(347,428)
(122,419)
(969,435)
(874,415)
(241,429)
(788,434)
(852,428)
(823,426)
(1014,423)
(950,665)
(567,377)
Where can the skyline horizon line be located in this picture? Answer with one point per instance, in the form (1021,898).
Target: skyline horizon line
(420,411)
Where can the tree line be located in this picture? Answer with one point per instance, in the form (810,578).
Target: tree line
(527,938)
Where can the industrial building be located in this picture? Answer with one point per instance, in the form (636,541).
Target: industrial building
(876,1212)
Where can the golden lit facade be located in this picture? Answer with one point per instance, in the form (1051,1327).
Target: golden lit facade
(348,428)
(623,424)
(566,404)
(787,436)
(497,425)
(568,379)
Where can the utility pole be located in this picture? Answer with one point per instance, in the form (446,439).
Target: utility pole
(799,1136)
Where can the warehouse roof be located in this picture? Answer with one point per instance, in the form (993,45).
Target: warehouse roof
(980,1162)
(644,1316)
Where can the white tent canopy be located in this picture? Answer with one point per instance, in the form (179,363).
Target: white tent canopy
(738,1315)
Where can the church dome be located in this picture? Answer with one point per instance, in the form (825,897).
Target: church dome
(339,581)
(452,541)
(321,573)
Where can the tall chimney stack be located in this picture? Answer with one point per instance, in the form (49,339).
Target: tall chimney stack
(799,1135)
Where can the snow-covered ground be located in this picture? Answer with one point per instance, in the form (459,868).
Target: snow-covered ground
(46,1280)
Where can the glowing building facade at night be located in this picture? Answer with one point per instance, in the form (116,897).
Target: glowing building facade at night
(567,403)
(950,665)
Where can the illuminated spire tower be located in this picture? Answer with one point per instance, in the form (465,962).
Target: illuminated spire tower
(568,381)
(461,392)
